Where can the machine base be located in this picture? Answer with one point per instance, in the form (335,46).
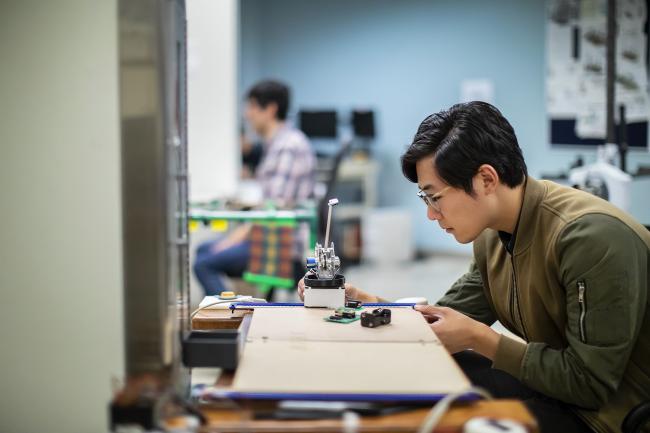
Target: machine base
(331,297)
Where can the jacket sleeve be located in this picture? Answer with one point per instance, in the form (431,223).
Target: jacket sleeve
(467,296)
(602,264)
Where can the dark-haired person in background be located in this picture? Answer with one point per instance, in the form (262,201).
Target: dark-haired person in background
(285,173)
(562,269)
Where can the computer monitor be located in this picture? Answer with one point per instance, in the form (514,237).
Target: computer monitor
(563,133)
(363,123)
(318,124)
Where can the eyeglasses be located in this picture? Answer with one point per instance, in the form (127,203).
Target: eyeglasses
(432,200)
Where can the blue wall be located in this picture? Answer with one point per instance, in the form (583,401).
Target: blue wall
(406,59)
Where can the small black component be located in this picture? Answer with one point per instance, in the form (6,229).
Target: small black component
(346,313)
(352,303)
(217,348)
(140,413)
(375,318)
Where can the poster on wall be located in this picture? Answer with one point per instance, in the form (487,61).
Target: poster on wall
(576,36)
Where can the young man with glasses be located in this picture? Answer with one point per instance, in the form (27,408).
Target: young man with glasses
(564,270)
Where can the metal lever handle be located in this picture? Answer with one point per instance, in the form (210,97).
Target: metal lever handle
(333,202)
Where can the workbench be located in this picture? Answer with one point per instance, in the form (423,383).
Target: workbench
(244,416)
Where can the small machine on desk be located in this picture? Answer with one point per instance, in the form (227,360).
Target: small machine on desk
(324,286)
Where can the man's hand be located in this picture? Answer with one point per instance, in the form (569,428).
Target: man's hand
(351,292)
(458,332)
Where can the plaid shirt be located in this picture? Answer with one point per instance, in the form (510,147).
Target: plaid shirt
(287,169)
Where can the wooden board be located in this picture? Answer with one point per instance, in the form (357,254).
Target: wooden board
(293,350)
(347,367)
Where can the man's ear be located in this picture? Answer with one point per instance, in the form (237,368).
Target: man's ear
(487,178)
(272,108)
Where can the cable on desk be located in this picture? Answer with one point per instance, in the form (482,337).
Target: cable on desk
(440,408)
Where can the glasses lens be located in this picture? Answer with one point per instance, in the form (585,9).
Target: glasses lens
(429,201)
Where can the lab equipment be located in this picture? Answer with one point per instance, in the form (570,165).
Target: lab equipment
(324,285)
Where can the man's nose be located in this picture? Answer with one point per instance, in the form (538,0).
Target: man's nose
(432,214)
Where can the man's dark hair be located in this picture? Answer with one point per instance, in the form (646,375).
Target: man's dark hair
(268,91)
(460,140)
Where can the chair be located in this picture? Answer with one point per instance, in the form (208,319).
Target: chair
(271,263)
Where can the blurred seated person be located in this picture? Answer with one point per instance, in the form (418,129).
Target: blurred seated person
(286,174)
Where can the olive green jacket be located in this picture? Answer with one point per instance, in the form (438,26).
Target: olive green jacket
(576,290)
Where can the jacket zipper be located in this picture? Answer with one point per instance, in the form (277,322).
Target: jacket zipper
(512,300)
(583,310)
(515,300)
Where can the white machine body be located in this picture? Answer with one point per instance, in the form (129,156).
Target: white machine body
(329,297)
(604,180)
